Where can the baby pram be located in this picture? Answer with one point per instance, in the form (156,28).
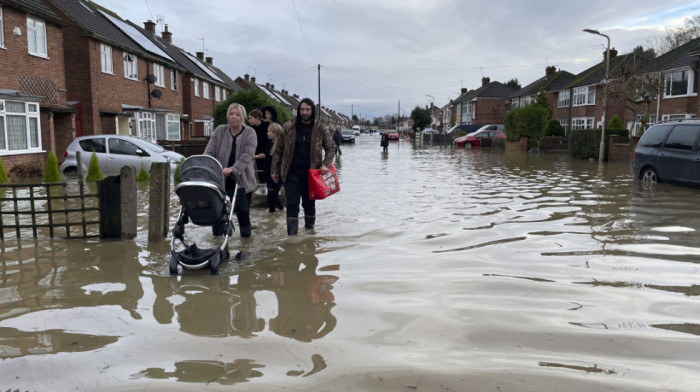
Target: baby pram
(203,202)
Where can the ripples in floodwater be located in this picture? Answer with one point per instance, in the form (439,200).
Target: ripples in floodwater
(432,269)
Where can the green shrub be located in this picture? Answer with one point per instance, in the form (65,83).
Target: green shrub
(554,129)
(250,99)
(584,143)
(529,121)
(52,174)
(615,124)
(3,174)
(94,173)
(143,174)
(176,175)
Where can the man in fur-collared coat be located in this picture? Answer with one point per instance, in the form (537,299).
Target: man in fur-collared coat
(301,147)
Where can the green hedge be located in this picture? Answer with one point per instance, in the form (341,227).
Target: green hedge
(585,143)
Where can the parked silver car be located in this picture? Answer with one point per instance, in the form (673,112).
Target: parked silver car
(116,151)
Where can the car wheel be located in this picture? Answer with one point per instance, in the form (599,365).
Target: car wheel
(649,176)
(467,145)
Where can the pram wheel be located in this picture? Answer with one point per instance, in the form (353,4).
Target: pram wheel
(240,256)
(173,265)
(214,264)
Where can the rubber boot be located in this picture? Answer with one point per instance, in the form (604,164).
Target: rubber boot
(292,226)
(309,222)
(245,230)
(280,205)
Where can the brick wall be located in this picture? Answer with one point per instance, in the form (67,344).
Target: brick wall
(200,107)
(489,111)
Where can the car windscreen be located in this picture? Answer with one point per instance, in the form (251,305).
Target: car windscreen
(145,144)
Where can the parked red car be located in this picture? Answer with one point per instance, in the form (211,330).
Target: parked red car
(393,135)
(486,132)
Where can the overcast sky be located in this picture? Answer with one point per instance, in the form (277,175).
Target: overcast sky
(375,53)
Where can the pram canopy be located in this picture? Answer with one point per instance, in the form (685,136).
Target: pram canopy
(202,168)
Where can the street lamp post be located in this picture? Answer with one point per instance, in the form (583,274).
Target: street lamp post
(605,93)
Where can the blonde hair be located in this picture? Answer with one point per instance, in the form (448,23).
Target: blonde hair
(237,106)
(277,130)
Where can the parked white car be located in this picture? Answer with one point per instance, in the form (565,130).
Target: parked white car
(116,151)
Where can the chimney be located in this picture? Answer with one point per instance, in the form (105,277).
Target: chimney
(252,79)
(485,80)
(246,77)
(200,56)
(168,36)
(210,60)
(272,87)
(296,96)
(267,84)
(550,70)
(464,90)
(150,26)
(613,54)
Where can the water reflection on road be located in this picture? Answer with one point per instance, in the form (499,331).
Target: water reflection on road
(432,269)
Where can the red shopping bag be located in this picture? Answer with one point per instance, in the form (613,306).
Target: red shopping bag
(322,185)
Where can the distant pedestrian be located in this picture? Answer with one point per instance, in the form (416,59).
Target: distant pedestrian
(338,139)
(305,144)
(273,189)
(384,143)
(255,119)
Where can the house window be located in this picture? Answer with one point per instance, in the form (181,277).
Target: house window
(582,123)
(681,83)
(19,127)
(584,96)
(564,99)
(564,122)
(205,90)
(173,79)
(107,60)
(672,117)
(147,126)
(159,73)
(196,87)
(173,124)
(36,37)
(637,126)
(225,94)
(208,125)
(131,66)
(2,35)
(467,115)
(217,93)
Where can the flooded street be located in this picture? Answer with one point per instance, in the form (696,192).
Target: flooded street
(433,269)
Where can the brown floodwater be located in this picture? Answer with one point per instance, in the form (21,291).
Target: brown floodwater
(433,269)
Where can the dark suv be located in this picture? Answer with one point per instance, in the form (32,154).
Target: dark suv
(669,152)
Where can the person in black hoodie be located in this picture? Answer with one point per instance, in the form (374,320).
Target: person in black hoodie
(255,118)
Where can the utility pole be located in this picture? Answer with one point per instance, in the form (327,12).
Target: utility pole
(319,89)
(398,116)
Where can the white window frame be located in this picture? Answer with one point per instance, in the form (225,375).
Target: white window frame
(564,99)
(582,122)
(217,93)
(208,127)
(196,87)
(36,32)
(31,117)
(205,89)
(584,96)
(173,79)
(159,73)
(677,116)
(172,120)
(2,31)
(131,66)
(225,94)
(147,126)
(672,76)
(467,114)
(107,59)
(636,126)
(564,122)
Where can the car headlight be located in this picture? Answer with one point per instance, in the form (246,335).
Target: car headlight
(171,160)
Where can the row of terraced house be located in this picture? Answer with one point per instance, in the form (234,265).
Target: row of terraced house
(72,68)
(576,101)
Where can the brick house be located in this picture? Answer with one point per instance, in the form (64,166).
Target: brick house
(34,116)
(202,85)
(550,83)
(679,72)
(485,105)
(118,81)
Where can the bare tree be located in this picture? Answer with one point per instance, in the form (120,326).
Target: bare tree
(677,36)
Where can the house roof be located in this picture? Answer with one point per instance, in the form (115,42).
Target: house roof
(104,25)
(488,90)
(680,57)
(34,7)
(596,73)
(547,83)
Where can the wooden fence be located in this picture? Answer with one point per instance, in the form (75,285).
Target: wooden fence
(38,207)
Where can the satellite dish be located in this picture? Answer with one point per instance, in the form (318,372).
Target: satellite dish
(151,78)
(156,93)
